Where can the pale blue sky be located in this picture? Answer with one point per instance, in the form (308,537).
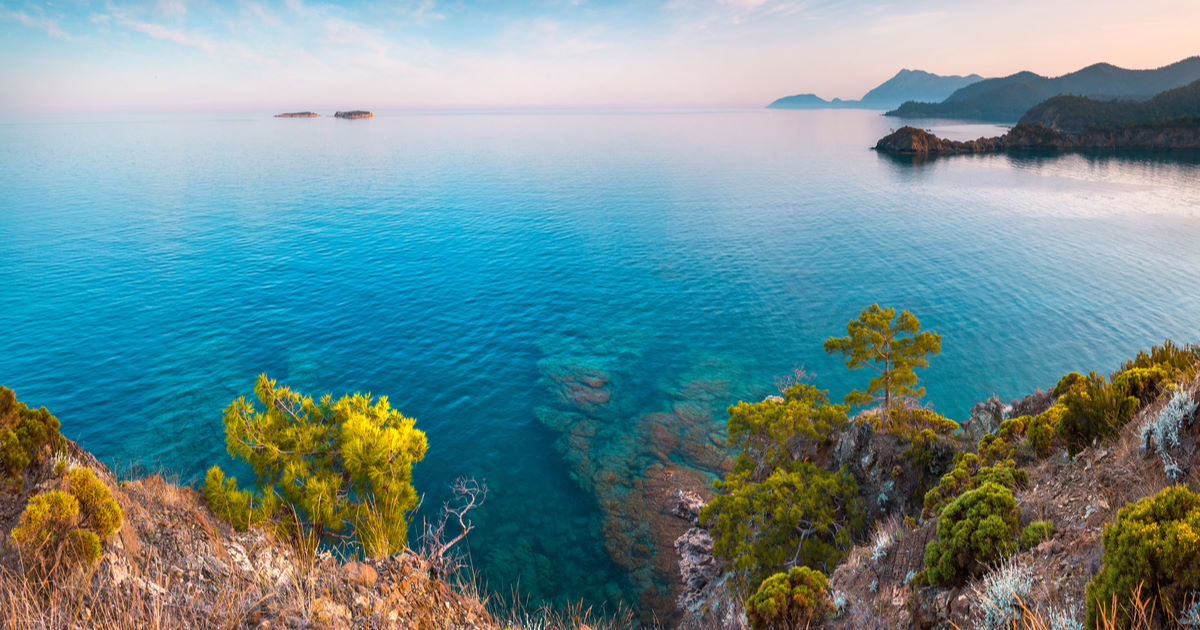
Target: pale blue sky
(306,54)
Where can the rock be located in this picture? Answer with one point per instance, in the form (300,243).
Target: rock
(913,141)
(357,113)
(985,418)
(359,573)
(330,614)
(298,115)
(688,506)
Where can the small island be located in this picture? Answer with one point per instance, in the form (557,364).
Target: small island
(298,115)
(357,113)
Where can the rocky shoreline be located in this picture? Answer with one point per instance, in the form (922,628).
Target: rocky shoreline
(914,141)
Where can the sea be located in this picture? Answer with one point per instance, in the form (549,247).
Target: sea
(566,301)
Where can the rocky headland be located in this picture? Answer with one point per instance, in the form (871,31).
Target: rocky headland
(914,141)
(357,113)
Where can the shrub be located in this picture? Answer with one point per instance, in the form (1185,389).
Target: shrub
(26,435)
(47,536)
(774,432)
(70,524)
(1036,532)
(46,520)
(1145,384)
(1174,359)
(98,509)
(976,529)
(1094,411)
(790,600)
(83,547)
(1161,431)
(967,475)
(1154,543)
(338,464)
(1040,430)
(804,515)
(1068,383)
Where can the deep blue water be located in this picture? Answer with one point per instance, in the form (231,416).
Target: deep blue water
(151,267)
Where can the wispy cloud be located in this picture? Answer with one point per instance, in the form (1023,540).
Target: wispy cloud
(41,21)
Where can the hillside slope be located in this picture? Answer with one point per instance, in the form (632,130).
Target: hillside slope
(1008,98)
(1075,114)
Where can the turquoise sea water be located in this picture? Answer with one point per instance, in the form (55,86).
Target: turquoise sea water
(478,268)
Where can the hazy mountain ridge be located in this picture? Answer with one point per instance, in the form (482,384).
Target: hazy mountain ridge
(1008,98)
(906,85)
(1075,114)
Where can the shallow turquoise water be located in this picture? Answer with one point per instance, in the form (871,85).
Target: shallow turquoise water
(151,267)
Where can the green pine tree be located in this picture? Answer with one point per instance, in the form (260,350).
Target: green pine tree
(891,345)
(344,467)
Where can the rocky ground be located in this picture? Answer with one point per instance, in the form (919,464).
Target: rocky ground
(173,564)
(872,587)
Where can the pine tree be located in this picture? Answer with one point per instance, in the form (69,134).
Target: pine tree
(339,466)
(890,345)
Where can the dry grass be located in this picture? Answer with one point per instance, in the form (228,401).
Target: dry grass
(1139,614)
(140,601)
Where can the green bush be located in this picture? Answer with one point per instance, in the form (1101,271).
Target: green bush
(1155,544)
(805,515)
(976,529)
(1097,410)
(1068,383)
(46,520)
(338,464)
(70,524)
(1175,360)
(99,511)
(1035,532)
(931,443)
(26,436)
(83,547)
(968,475)
(1145,384)
(47,536)
(772,433)
(1041,430)
(790,600)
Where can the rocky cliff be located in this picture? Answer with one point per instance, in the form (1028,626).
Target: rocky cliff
(173,564)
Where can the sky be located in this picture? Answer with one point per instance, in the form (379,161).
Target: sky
(112,55)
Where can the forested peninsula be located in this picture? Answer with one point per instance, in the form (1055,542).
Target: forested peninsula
(1170,120)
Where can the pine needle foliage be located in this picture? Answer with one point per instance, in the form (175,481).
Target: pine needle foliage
(892,345)
(343,468)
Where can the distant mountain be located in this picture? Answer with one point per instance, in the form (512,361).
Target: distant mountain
(916,85)
(1008,98)
(811,101)
(1179,107)
(907,85)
